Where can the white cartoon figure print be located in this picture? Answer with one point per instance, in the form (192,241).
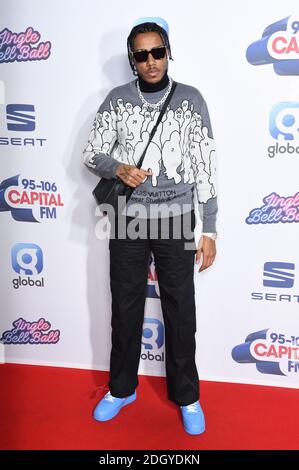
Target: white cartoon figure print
(181,144)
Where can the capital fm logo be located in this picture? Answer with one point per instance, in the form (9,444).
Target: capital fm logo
(278,283)
(276,209)
(23,47)
(30,332)
(152,340)
(30,200)
(19,118)
(279,45)
(272,351)
(284,129)
(27,261)
(152,280)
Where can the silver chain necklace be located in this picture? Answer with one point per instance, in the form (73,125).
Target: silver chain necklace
(159,103)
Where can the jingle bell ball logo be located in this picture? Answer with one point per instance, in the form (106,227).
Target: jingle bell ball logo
(272,352)
(30,200)
(275,209)
(23,46)
(279,45)
(27,332)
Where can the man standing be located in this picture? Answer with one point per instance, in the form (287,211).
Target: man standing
(180,157)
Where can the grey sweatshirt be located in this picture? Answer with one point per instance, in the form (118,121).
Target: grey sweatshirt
(181,154)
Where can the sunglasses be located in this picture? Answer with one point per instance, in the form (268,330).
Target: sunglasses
(157,53)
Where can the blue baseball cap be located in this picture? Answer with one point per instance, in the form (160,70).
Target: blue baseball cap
(153,19)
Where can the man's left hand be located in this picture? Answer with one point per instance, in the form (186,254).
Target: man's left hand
(207,252)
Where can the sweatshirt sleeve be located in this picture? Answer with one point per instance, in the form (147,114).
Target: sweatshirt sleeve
(102,141)
(203,157)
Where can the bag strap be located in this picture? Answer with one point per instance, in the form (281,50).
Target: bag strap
(166,102)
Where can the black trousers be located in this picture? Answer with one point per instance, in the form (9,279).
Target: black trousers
(129,263)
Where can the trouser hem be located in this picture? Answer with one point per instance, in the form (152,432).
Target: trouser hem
(121,394)
(186,402)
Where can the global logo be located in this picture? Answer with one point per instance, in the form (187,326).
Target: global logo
(277,275)
(284,128)
(279,45)
(272,352)
(152,339)
(22,47)
(27,260)
(21,118)
(284,121)
(152,334)
(29,200)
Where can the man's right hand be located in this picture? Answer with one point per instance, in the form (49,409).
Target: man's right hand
(131,175)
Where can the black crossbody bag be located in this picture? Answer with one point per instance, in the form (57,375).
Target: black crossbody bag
(107,191)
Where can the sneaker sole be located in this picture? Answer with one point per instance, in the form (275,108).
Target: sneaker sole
(111,416)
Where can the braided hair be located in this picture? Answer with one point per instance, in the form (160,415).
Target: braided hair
(146,28)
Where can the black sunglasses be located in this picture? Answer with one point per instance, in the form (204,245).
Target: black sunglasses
(157,53)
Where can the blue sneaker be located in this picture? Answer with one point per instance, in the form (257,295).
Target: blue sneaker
(193,418)
(110,406)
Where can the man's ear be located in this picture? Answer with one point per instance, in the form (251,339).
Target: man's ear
(168,54)
(134,68)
